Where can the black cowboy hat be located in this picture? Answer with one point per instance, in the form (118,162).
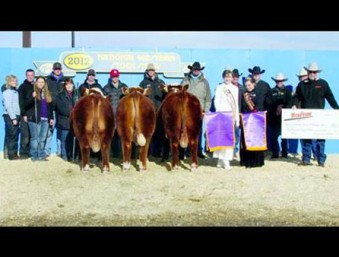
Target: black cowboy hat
(235,73)
(195,66)
(256,70)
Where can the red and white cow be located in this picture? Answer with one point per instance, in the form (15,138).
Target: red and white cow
(92,122)
(181,117)
(136,117)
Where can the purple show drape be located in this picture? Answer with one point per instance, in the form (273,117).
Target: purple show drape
(254,129)
(219,130)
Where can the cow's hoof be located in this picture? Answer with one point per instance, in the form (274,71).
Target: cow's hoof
(105,170)
(194,167)
(85,169)
(176,167)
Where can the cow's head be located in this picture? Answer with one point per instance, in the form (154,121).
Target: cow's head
(84,91)
(95,91)
(144,91)
(173,88)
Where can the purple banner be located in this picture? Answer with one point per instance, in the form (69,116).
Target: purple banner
(219,130)
(254,129)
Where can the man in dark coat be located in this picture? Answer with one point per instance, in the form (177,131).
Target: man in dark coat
(26,90)
(90,82)
(277,98)
(113,89)
(55,82)
(311,94)
(152,80)
(262,88)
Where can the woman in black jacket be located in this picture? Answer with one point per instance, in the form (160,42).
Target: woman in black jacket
(65,102)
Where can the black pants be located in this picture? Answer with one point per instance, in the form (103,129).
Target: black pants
(24,138)
(275,133)
(5,148)
(156,145)
(116,145)
(11,136)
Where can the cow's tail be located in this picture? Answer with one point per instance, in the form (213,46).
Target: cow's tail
(95,143)
(183,130)
(140,138)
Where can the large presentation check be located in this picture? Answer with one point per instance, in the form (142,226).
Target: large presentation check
(310,124)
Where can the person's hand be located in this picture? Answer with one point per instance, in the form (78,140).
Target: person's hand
(294,107)
(34,94)
(51,122)
(15,122)
(24,118)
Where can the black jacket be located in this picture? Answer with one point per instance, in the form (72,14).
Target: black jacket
(55,87)
(256,99)
(312,94)
(64,106)
(88,86)
(26,90)
(157,95)
(276,99)
(262,88)
(30,110)
(115,93)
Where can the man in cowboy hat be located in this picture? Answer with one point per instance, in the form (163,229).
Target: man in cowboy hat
(198,86)
(311,94)
(277,98)
(302,76)
(262,88)
(241,89)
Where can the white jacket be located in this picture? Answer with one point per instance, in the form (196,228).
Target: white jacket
(222,103)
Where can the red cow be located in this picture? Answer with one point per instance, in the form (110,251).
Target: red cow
(181,117)
(136,118)
(92,121)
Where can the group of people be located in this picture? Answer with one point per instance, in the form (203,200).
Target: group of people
(40,105)
(257,96)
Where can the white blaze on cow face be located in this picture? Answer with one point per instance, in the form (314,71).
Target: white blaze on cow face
(96,90)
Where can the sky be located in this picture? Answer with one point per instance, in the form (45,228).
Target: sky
(184,39)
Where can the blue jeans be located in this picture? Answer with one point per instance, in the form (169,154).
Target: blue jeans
(11,136)
(64,134)
(237,139)
(38,139)
(293,146)
(67,141)
(307,150)
(48,146)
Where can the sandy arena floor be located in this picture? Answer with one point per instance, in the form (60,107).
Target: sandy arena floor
(57,193)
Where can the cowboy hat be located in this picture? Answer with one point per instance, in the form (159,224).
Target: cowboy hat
(279,77)
(313,67)
(302,72)
(195,66)
(235,73)
(256,70)
(150,67)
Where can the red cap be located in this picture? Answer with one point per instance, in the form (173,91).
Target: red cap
(114,73)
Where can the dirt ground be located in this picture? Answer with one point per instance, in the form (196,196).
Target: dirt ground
(57,193)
